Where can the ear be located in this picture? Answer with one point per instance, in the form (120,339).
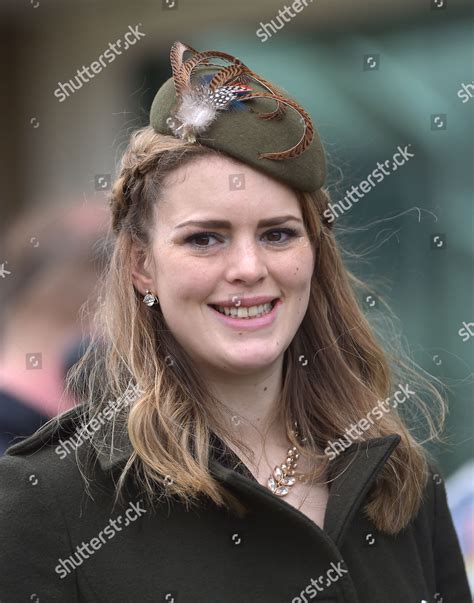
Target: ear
(142,269)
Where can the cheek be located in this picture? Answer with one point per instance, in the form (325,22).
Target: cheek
(296,267)
(182,277)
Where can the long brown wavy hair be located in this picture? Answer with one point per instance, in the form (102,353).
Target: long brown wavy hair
(170,422)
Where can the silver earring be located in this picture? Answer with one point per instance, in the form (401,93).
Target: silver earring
(150,299)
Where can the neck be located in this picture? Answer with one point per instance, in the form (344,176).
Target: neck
(252,407)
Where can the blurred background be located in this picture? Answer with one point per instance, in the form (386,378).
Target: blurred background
(377,77)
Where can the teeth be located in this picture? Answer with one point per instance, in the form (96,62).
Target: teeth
(251,312)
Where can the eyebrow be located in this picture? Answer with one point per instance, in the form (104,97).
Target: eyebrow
(226,224)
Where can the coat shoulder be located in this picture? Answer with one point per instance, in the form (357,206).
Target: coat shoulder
(53,431)
(33,465)
(37,488)
(433,494)
(438,543)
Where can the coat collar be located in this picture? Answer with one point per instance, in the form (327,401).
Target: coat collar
(363,461)
(347,491)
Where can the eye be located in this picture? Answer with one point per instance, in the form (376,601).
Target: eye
(200,236)
(289,231)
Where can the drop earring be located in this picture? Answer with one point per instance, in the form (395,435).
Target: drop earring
(150,298)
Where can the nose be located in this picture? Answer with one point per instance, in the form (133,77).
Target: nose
(246,261)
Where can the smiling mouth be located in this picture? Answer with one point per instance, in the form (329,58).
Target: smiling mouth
(246,313)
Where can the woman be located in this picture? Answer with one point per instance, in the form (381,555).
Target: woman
(239,437)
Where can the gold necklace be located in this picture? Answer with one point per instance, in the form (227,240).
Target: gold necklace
(284,475)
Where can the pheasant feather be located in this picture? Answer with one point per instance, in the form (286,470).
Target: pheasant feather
(198,104)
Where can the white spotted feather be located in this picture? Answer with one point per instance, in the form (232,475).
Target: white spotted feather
(199,107)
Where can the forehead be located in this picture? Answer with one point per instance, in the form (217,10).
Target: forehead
(220,186)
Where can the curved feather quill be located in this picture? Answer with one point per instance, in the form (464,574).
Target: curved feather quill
(198,104)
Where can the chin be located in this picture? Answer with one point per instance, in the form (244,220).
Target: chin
(250,361)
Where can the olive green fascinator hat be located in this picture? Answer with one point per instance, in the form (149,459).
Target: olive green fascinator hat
(232,109)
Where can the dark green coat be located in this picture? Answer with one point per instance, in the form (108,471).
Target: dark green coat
(56,544)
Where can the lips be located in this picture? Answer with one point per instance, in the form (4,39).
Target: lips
(241,305)
(251,323)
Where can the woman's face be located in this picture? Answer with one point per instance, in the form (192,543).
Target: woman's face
(227,257)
